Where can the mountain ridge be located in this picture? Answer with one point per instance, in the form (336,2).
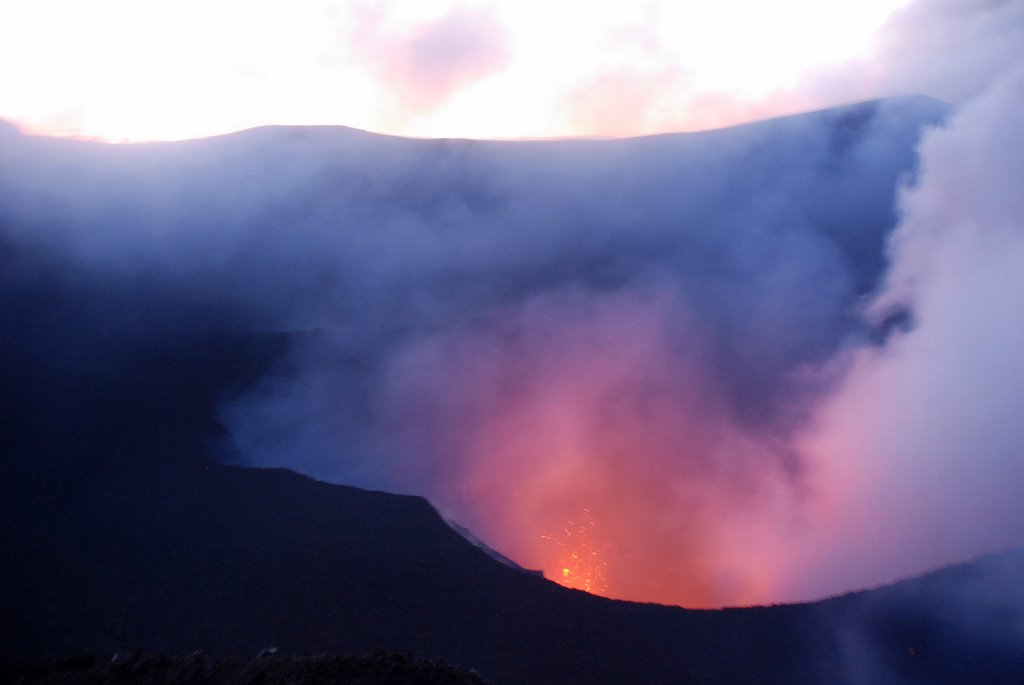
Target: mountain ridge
(922,103)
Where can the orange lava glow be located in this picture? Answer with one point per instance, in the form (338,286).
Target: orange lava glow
(579,553)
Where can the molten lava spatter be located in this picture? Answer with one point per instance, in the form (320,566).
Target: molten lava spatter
(579,556)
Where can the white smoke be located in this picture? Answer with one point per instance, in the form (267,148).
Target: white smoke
(919,455)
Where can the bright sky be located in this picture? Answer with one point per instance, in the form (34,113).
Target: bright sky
(163,69)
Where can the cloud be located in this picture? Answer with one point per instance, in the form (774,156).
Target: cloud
(948,49)
(427,63)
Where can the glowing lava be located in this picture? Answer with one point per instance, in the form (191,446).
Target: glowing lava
(591,439)
(580,556)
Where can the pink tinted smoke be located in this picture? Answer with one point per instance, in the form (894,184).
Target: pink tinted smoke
(589,437)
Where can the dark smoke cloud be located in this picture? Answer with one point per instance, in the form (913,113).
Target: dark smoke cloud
(528,333)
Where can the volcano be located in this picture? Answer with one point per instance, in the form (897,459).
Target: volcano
(177,314)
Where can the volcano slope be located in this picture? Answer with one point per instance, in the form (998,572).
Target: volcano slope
(144,289)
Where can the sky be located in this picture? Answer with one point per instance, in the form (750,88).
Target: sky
(768,363)
(154,70)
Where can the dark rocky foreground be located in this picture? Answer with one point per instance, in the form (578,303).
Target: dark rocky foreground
(271,669)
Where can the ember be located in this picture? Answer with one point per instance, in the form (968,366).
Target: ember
(580,556)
